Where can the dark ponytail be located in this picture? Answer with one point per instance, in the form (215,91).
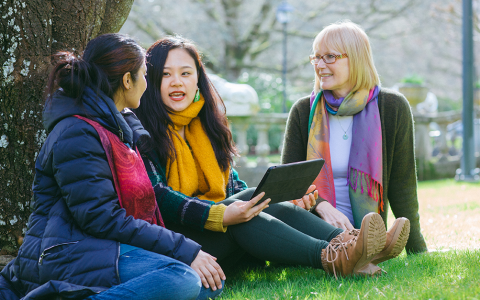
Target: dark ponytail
(70,73)
(104,62)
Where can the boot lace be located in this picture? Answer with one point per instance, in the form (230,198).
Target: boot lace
(337,244)
(354,232)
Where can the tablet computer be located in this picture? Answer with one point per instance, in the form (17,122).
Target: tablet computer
(289,181)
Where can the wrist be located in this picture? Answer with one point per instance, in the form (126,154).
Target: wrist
(216,218)
(320,202)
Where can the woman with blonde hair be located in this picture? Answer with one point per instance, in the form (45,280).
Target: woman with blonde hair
(365,134)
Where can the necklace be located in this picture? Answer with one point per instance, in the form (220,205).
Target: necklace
(345,136)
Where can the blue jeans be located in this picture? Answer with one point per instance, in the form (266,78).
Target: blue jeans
(147,275)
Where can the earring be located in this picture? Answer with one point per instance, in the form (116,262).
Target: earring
(197,96)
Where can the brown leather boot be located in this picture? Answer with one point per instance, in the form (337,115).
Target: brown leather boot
(348,253)
(397,238)
(348,235)
(369,270)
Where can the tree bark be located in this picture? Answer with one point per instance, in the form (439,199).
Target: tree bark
(30,32)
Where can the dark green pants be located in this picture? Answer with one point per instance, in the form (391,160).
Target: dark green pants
(282,233)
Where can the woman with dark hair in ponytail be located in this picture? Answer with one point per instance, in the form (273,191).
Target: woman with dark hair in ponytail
(96,231)
(188,157)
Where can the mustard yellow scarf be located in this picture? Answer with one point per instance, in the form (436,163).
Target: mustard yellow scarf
(195,172)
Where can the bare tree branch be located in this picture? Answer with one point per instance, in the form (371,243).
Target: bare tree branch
(318,11)
(390,15)
(209,7)
(452,13)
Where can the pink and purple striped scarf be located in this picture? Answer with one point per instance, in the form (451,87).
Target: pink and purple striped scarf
(365,160)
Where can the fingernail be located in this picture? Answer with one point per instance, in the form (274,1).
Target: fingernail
(214,288)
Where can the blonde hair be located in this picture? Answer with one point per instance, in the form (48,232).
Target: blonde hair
(348,37)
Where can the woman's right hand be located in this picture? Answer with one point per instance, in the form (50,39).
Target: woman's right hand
(209,270)
(308,200)
(243,211)
(333,216)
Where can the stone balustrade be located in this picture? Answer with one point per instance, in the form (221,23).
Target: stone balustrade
(438,150)
(437,143)
(262,123)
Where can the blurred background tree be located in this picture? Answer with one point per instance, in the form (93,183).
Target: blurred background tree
(242,40)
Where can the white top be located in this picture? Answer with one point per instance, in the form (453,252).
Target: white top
(339,154)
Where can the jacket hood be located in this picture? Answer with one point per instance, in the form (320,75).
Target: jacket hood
(95,106)
(135,124)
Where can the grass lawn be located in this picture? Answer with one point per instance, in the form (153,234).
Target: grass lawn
(273,158)
(449,214)
(450,220)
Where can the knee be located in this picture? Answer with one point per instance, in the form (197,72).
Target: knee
(208,293)
(190,284)
(283,209)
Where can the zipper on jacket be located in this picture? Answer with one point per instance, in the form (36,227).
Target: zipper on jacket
(44,254)
(116,263)
(120,132)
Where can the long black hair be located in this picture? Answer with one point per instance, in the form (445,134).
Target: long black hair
(105,60)
(153,113)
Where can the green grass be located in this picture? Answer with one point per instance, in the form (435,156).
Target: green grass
(441,275)
(450,182)
(273,158)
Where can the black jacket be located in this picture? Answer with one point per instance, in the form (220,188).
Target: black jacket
(72,243)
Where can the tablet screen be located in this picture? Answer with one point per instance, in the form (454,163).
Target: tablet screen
(289,181)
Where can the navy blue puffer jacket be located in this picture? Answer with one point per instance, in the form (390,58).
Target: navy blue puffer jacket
(71,247)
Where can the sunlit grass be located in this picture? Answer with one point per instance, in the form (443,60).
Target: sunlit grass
(442,275)
(450,221)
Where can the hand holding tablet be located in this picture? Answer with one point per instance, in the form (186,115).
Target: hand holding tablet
(289,181)
(308,200)
(243,211)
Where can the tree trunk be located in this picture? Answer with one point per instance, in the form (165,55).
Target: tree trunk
(31,31)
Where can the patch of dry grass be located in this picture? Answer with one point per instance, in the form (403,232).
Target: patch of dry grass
(449,214)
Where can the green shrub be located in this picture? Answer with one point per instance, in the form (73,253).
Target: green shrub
(477,84)
(413,79)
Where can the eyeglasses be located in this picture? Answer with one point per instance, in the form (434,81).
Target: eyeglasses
(327,58)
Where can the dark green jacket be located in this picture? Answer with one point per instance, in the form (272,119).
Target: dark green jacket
(399,173)
(179,208)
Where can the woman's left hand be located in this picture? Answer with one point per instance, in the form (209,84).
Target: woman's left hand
(243,211)
(308,200)
(209,270)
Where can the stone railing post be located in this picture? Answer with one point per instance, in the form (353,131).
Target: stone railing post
(262,149)
(423,145)
(282,128)
(241,126)
(423,148)
(442,142)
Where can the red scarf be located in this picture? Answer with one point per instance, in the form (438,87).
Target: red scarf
(134,189)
